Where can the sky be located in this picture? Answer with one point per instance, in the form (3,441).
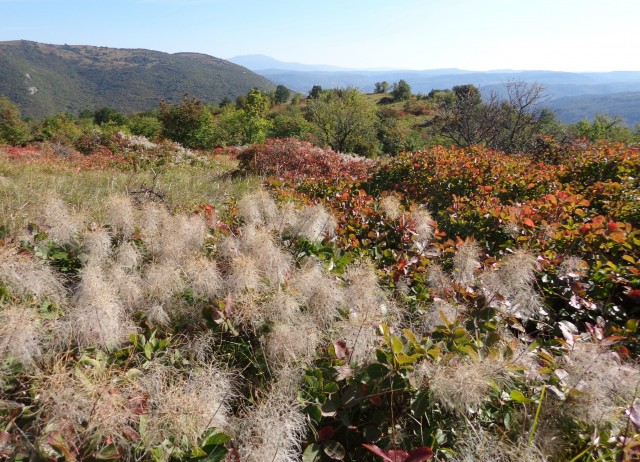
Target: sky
(562,35)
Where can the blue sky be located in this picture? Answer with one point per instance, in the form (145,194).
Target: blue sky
(566,35)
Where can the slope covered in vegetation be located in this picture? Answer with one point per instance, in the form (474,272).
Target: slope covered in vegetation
(45,79)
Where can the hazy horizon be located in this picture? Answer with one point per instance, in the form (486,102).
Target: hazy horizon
(571,36)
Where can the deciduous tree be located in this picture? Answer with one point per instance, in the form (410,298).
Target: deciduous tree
(344,119)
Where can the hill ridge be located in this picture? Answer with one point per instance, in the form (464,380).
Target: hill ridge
(44,78)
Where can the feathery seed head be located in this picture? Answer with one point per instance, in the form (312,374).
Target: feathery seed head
(391,206)
(273,429)
(424,226)
(97,244)
(599,385)
(162,280)
(98,317)
(203,277)
(465,263)
(292,344)
(258,209)
(26,276)
(314,222)
(120,214)
(184,406)
(60,223)
(20,334)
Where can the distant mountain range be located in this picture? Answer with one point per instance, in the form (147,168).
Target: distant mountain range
(44,79)
(573,95)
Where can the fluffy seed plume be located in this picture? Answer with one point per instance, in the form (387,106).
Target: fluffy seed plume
(465,263)
(60,223)
(363,295)
(203,277)
(258,208)
(98,318)
(26,276)
(441,313)
(423,227)
(162,280)
(391,206)
(599,386)
(127,256)
(321,294)
(96,402)
(439,281)
(97,244)
(292,344)
(120,214)
(183,406)
(273,429)
(511,285)
(20,334)
(315,222)
(445,379)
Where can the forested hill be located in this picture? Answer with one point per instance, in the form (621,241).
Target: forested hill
(44,79)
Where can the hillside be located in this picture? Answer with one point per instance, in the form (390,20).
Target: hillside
(575,108)
(44,79)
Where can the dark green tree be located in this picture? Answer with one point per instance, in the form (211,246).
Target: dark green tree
(12,129)
(108,115)
(315,92)
(401,91)
(282,94)
(381,87)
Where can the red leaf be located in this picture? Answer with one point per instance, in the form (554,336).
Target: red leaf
(420,454)
(378,452)
(397,455)
(634,294)
(529,222)
(326,433)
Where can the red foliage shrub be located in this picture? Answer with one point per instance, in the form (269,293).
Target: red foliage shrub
(292,159)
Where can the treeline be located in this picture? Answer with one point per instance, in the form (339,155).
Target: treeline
(390,121)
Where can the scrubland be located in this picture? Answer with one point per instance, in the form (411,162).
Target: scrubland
(289,303)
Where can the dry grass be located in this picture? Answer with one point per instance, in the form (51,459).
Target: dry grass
(94,193)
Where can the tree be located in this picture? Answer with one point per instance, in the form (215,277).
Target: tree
(381,87)
(108,115)
(189,123)
(603,127)
(315,92)
(509,123)
(401,91)
(12,129)
(344,119)
(282,94)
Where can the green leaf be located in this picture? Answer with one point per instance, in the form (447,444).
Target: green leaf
(396,344)
(330,387)
(312,453)
(215,439)
(377,370)
(420,403)
(382,357)
(218,454)
(517,396)
(148,350)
